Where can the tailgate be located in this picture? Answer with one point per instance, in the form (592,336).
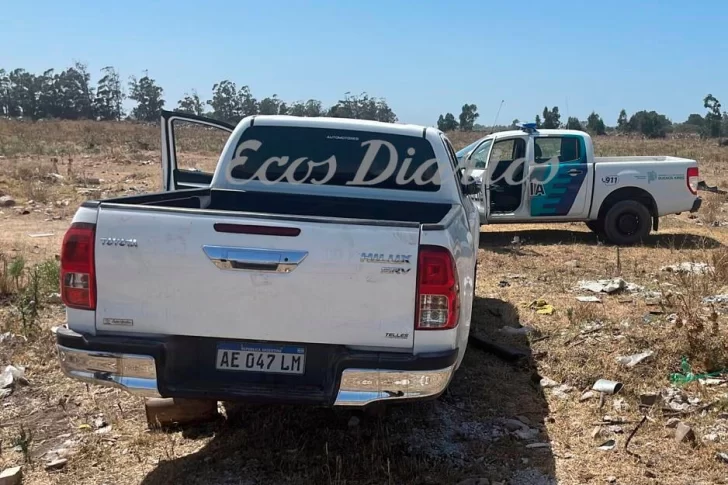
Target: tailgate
(201,274)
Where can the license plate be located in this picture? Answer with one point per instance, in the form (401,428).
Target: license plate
(261,358)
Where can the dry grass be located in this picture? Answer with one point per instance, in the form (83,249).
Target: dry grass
(460,435)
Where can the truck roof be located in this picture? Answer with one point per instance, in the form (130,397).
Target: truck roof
(340,124)
(538,132)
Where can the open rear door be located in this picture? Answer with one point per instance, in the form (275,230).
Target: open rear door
(201,136)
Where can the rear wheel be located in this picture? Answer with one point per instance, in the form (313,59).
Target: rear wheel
(627,222)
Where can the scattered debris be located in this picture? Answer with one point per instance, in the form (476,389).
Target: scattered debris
(11,376)
(7,201)
(6,336)
(712,438)
(11,476)
(100,422)
(688,267)
(672,423)
(542,307)
(608,286)
(562,391)
(587,395)
(42,234)
(608,387)
(687,374)
(684,433)
(633,360)
(649,399)
(54,298)
(707,188)
(722,457)
(56,464)
(634,431)
(547,382)
(588,299)
(716,300)
(712,381)
(503,283)
(607,445)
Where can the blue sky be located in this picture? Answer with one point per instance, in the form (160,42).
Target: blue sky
(424,57)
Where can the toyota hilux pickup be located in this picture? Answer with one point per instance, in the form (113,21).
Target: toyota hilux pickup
(325,261)
(534,175)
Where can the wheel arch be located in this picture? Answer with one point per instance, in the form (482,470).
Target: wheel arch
(630,193)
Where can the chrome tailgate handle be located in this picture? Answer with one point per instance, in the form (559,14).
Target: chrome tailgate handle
(254,259)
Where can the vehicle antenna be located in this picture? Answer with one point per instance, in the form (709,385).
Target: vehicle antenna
(497,115)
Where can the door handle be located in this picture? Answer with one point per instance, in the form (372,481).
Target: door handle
(254,259)
(574,172)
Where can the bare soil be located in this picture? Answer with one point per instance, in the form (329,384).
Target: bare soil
(470,432)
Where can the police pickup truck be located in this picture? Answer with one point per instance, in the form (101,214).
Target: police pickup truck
(532,175)
(326,261)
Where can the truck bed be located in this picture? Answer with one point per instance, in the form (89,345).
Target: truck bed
(273,203)
(632,159)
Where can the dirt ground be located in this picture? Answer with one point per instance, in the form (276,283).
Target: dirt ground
(525,422)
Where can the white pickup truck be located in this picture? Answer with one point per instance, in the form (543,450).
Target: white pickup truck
(326,261)
(620,198)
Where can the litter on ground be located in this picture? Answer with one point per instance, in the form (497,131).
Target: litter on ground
(608,286)
(688,267)
(634,359)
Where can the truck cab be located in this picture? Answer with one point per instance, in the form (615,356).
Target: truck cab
(526,174)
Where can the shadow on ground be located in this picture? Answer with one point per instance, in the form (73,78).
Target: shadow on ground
(471,431)
(497,240)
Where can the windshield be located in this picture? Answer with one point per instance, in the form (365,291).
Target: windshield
(480,155)
(464,151)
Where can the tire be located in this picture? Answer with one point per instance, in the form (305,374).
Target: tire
(596,226)
(627,222)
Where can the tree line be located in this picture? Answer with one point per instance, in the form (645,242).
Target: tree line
(69,94)
(651,124)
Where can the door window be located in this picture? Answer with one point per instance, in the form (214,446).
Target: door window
(505,166)
(197,147)
(563,149)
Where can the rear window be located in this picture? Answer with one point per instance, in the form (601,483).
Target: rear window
(286,154)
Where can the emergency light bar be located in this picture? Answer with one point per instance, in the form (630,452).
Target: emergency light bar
(528,127)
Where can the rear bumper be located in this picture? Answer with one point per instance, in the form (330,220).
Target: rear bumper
(696,204)
(180,367)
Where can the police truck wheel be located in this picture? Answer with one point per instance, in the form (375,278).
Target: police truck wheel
(627,222)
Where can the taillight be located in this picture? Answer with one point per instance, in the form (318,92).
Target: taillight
(78,271)
(693,175)
(438,299)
